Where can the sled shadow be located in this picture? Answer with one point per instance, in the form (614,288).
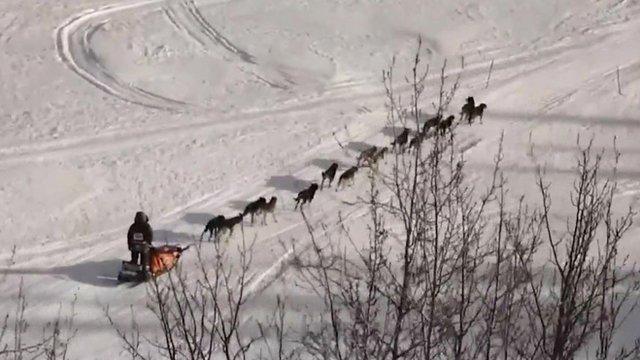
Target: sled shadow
(197,218)
(97,273)
(288,183)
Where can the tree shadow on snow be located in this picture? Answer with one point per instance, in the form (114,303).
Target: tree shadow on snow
(97,273)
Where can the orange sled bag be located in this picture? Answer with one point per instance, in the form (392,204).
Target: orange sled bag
(164,258)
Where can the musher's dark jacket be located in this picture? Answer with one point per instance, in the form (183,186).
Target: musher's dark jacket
(140,231)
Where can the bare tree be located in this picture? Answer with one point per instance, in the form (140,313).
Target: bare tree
(18,341)
(452,267)
(461,279)
(199,315)
(586,290)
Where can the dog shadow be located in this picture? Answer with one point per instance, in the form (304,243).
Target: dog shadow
(288,183)
(95,273)
(325,163)
(392,131)
(426,116)
(238,204)
(163,236)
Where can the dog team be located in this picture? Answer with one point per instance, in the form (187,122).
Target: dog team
(367,158)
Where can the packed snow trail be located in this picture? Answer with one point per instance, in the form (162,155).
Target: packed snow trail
(544,70)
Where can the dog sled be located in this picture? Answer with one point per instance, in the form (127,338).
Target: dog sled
(161,260)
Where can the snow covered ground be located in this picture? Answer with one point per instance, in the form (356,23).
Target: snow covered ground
(187,109)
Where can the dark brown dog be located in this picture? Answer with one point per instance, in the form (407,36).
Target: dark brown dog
(254,207)
(269,207)
(367,154)
(329,174)
(348,175)
(306,195)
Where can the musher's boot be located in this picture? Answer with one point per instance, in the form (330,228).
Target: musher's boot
(146,273)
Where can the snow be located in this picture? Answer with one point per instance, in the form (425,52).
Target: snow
(188,109)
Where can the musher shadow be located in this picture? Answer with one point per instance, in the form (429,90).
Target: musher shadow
(97,273)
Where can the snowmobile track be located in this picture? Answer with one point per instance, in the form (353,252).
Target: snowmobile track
(73,46)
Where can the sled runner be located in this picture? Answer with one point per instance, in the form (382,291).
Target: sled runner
(161,260)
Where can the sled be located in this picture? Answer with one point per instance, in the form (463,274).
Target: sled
(161,260)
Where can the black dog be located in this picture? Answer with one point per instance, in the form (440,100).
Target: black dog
(445,124)
(329,174)
(229,224)
(430,123)
(254,207)
(213,227)
(401,140)
(306,195)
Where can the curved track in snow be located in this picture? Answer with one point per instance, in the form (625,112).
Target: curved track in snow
(73,46)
